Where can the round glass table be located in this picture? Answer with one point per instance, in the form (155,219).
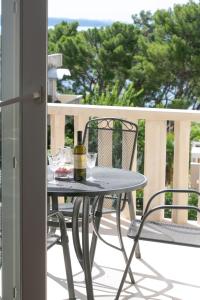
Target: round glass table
(105,181)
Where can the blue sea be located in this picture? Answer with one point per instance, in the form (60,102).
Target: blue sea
(80,28)
(84,24)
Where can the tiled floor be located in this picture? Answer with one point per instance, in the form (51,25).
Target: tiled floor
(165,272)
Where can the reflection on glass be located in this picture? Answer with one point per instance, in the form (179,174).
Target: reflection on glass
(91,162)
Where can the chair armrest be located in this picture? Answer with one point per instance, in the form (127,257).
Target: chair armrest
(61,219)
(188,191)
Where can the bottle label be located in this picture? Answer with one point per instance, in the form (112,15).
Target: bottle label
(79,161)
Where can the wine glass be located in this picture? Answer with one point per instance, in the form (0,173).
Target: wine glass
(54,161)
(65,155)
(91,162)
(66,161)
(68,156)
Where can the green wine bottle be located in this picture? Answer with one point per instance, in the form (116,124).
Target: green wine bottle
(79,159)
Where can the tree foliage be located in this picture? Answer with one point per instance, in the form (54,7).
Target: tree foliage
(168,62)
(96,56)
(158,55)
(114,95)
(154,62)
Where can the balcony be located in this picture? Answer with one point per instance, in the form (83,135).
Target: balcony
(163,272)
(155,141)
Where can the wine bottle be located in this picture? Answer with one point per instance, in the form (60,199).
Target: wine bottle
(79,159)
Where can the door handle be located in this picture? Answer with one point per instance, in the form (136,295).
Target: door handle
(37,96)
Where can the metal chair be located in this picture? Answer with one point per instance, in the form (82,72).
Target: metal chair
(163,232)
(55,218)
(114,141)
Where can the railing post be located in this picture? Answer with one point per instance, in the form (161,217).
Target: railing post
(57,132)
(155,161)
(181,166)
(155,143)
(79,124)
(52,86)
(198,215)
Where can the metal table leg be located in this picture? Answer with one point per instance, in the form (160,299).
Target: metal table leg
(54,207)
(83,254)
(97,220)
(75,230)
(86,248)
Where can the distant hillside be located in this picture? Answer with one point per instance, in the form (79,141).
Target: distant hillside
(82,22)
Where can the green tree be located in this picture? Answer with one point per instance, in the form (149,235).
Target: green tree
(169,157)
(167,66)
(195,132)
(55,35)
(159,54)
(96,56)
(114,95)
(144,22)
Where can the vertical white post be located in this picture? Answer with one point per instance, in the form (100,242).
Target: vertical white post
(57,132)
(52,87)
(181,166)
(79,124)
(198,183)
(155,161)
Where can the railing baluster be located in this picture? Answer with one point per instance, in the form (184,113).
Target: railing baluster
(155,160)
(79,124)
(155,141)
(181,166)
(57,122)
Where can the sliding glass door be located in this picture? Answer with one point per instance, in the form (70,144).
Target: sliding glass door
(23,150)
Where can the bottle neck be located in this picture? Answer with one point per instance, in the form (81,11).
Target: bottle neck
(79,138)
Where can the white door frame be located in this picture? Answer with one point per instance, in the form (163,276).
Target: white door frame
(33,74)
(25,68)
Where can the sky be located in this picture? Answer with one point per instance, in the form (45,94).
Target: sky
(114,10)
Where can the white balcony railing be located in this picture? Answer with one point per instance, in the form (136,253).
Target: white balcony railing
(155,140)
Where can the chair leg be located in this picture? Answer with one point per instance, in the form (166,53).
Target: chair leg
(126,270)
(132,213)
(119,233)
(67,259)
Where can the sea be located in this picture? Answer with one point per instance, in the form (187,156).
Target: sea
(80,28)
(84,24)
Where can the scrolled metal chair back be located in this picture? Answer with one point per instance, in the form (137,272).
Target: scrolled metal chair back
(113,139)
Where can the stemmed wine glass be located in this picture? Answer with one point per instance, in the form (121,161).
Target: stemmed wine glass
(66,162)
(91,162)
(54,161)
(65,155)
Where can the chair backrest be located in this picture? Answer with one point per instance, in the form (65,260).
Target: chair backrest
(113,139)
(168,232)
